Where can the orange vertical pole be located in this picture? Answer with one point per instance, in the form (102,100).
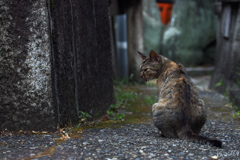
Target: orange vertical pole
(165,11)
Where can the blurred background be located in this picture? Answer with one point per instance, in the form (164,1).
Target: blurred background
(203,35)
(183,31)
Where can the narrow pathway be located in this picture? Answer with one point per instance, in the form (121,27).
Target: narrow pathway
(136,137)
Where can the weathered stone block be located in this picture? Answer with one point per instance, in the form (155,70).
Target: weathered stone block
(51,72)
(25,66)
(82,49)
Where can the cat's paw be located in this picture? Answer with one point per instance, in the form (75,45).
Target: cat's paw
(161,134)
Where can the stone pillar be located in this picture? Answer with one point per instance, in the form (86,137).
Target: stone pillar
(82,50)
(51,71)
(227,57)
(26,99)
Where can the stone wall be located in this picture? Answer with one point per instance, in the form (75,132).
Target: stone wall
(51,71)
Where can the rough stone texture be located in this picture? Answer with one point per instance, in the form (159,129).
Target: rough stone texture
(190,35)
(153,28)
(43,84)
(227,58)
(135,38)
(26,100)
(83,59)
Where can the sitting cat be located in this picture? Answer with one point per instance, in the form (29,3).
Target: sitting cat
(179,113)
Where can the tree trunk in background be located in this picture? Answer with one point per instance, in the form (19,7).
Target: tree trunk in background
(227,57)
(135,38)
(49,74)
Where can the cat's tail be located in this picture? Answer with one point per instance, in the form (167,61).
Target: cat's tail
(189,135)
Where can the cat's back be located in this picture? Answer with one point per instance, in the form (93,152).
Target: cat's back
(175,87)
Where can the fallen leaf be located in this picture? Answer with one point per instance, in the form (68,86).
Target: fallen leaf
(34,132)
(65,137)
(60,130)
(21,131)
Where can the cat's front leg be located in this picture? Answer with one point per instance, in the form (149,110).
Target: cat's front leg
(156,107)
(158,110)
(161,118)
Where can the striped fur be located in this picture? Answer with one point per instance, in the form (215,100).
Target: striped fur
(179,113)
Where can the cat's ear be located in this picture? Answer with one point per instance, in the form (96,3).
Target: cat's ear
(142,55)
(154,57)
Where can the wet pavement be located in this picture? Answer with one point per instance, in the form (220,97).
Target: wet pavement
(136,137)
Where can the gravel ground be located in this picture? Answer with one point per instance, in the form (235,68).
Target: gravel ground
(133,141)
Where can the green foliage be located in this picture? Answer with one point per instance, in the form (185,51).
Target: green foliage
(238,82)
(121,82)
(235,107)
(238,72)
(131,80)
(225,94)
(110,112)
(84,115)
(237,115)
(149,100)
(220,83)
(119,116)
(123,99)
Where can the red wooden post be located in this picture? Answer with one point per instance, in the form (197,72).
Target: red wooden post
(165,7)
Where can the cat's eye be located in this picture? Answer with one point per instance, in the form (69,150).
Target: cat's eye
(145,69)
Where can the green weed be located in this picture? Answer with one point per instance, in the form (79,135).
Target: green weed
(123,99)
(236,115)
(235,107)
(238,82)
(219,84)
(110,113)
(84,115)
(149,100)
(119,116)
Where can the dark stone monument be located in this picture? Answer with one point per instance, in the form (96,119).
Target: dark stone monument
(52,67)
(26,99)
(82,50)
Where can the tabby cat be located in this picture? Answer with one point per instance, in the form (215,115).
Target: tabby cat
(179,113)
